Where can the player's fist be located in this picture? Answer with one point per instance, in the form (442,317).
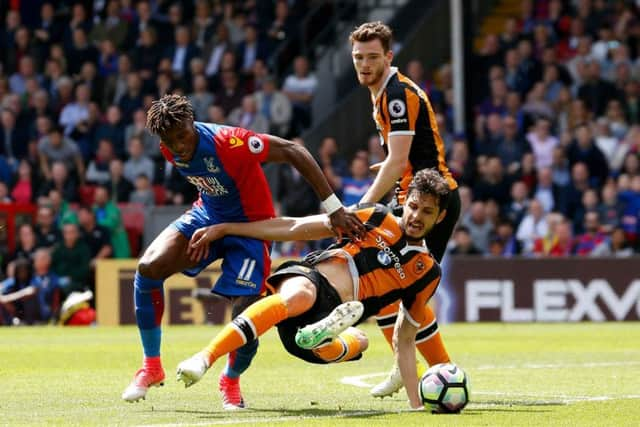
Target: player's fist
(347,223)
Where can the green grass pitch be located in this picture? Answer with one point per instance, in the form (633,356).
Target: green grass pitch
(584,374)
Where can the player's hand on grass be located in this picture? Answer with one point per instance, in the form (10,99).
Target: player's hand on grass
(347,223)
(198,248)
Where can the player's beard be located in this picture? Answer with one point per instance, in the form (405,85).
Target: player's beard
(373,79)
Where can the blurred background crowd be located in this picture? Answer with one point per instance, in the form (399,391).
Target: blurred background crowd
(551,168)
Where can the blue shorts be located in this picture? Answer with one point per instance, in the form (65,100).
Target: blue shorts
(246,263)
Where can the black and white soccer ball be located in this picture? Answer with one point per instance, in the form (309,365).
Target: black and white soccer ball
(444,388)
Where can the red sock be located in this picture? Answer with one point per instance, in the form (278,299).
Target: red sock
(152,363)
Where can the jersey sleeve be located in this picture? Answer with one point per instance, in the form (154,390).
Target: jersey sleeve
(401,107)
(238,145)
(372,214)
(414,303)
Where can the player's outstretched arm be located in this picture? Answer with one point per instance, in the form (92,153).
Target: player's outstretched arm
(404,347)
(390,169)
(278,229)
(343,222)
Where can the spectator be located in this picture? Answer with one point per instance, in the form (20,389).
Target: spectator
(46,286)
(282,27)
(131,100)
(62,182)
(201,97)
(463,243)
(247,116)
(214,50)
(46,230)
(511,147)
(181,52)
(478,225)
(146,55)
(300,88)
(4,193)
(70,260)
(26,71)
(81,51)
(519,204)
(351,188)
(551,196)
(542,142)
(203,26)
(96,236)
(558,242)
(23,191)
(116,85)
(533,226)
(26,242)
(610,208)
(560,167)
(16,304)
(492,183)
(77,111)
(142,193)
(138,164)
(506,235)
(119,187)
(113,130)
(616,245)
(112,27)
(138,129)
(13,138)
(579,184)
(584,150)
(108,215)
(250,49)
(108,59)
(275,106)
(98,170)
(596,92)
(592,236)
(230,95)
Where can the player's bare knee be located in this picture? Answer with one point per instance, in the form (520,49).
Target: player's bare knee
(298,294)
(152,267)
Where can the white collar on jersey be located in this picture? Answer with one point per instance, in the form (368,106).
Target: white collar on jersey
(418,248)
(392,71)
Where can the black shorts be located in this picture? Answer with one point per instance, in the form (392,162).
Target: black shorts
(327,299)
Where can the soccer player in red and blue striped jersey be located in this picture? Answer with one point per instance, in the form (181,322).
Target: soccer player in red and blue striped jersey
(224,164)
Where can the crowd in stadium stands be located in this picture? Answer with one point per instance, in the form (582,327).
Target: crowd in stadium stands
(551,168)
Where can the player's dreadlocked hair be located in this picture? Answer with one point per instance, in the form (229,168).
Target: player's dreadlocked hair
(429,181)
(168,112)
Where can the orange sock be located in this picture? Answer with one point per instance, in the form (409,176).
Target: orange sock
(428,339)
(345,347)
(258,318)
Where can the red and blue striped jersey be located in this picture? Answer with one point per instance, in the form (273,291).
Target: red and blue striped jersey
(226,170)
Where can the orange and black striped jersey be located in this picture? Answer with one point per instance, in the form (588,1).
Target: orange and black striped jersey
(386,268)
(402,108)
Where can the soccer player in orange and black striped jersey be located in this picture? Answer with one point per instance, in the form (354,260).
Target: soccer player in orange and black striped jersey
(391,263)
(409,134)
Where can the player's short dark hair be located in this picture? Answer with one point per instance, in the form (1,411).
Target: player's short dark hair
(371,31)
(168,112)
(429,181)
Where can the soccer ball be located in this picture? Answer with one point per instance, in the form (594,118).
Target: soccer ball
(444,388)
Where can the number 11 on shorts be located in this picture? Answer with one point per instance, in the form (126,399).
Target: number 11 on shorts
(247,269)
